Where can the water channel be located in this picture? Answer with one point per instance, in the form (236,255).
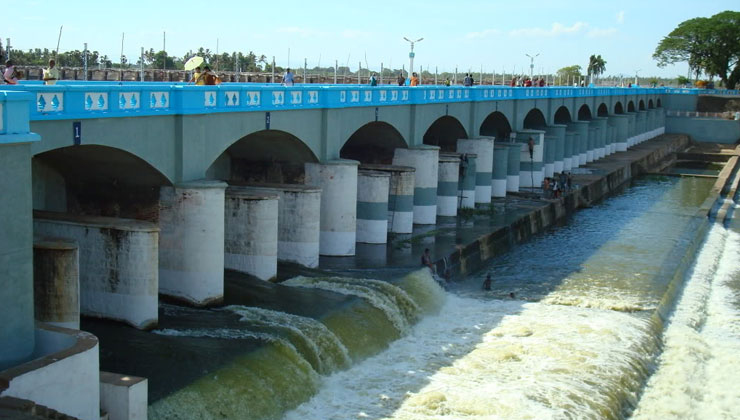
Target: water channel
(632,309)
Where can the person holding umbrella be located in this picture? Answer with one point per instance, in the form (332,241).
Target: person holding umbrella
(194,63)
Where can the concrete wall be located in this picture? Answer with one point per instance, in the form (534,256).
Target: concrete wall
(63,376)
(712,130)
(118,264)
(123,397)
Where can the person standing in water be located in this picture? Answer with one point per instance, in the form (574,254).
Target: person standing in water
(487,283)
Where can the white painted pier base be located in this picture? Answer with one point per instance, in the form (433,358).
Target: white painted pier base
(191,241)
(123,397)
(56,282)
(425,160)
(531,168)
(298,220)
(447,184)
(400,196)
(118,264)
(500,170)
(483,149)
(372,206)
(251,233)
(512,167)
(338,182)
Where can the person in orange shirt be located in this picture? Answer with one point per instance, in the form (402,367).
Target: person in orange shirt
(414,79)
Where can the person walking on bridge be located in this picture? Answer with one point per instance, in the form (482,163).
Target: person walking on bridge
(51,74)
(288,78)
(401,80)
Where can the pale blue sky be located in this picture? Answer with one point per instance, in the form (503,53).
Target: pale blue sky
(466,33)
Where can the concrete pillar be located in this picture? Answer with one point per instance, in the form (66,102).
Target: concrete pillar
(56,282)
(468,176)
(500,169)
(641,121)
(425,160)
(631,128)
(609,139)
(558,131)
(191,241)
(16,229)
(568,150)
(483,149)
(448,176)
(549,155)
(513,167)
(298,220)
(593,132)
(251,232)
(372,206)
(338,182)
(531,167)
(601,135)
(118,264)
(661,121)
(581,128)
(400,196)
(652,122)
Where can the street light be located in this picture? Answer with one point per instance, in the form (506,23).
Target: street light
(636,71)
(411,54)
(531,64)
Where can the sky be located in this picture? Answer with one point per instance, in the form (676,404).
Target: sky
(466,34)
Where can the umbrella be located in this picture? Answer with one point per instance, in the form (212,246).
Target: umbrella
(193,62)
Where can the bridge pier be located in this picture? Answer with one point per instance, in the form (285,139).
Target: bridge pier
(425,160)
(512,167)
(251,232)
(191,241)
(549,154)
(601,136)
(372,206)
(400,196)
(593,134)
(641,122)
(500,169)
(483,149)
(558,131)
(448,176)
(568,149)
(466,188)
(531,167)
(56,282)
(581,140)
(338,182)
(631,128)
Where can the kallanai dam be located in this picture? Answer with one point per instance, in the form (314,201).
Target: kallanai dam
(256,251)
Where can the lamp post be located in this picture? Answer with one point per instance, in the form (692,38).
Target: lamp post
(531,64)
(411,54)
(636,71)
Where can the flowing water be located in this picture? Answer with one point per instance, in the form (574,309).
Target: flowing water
(579,324)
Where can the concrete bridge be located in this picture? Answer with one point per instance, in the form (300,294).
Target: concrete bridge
(155,188)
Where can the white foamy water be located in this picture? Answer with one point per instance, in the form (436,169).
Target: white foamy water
(699,369)
(496,360)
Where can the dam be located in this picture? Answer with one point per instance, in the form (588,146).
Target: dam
(579,322)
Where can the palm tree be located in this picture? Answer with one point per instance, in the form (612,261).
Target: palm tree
(596,66)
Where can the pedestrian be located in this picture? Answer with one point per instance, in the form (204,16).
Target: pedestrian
(570,182)
(401,80)
(487,283)
(468,80)
(426,260)
(51,74)
(198,77)
(513,82)
(373,80)
(414,79)
(288,78)
(10,75)
(542,82)
(447,82)
(209,78)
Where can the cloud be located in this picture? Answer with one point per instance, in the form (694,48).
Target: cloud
(482,34)
(620,17)
(601,33)
(556,29)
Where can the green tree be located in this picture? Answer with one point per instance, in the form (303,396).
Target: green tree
(709,45)
(596,65)
(569,74)
(682,80)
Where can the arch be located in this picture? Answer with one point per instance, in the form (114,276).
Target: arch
(618,108)
(374,142)
(650,104)
(444,133)
(263,156)
(535,119)
(562,115)
(630,106)
(496,125)
(97,180)
(584,113)
(658,103)
(602,111)
(642,105)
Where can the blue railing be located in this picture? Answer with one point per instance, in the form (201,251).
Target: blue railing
(81,100)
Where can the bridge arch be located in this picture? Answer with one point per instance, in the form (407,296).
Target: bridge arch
(562,115)
(374,142)
(618,108)
(263,156)
(444,133)
(496,125)
(642,105)
(658,103)
(630,106)
(584,113)
(651,105)
(534,119)
(602,110)
(96,180)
